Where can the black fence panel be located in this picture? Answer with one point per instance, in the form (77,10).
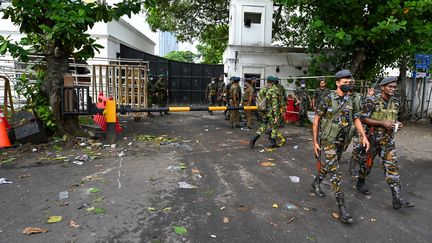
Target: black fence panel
(186,81)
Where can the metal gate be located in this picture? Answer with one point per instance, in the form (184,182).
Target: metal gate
(186,81)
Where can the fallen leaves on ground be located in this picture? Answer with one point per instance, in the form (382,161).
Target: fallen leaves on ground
(180,230)
(54,219)
(34,230)
(226,220)
(73,224)
(275,205)
(93,190)
(336,215)
(8,160)
(267,164)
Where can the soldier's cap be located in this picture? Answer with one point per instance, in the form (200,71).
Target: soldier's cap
(302,81)
(235,79)
(343,74)
(388,80)
(272,79)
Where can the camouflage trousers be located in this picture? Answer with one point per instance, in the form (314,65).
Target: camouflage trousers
(385,149)
(272,129)
(330,165)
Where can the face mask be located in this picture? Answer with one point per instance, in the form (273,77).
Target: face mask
(346,87)
(303,85)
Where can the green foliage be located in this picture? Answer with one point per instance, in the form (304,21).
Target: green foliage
(365,36)
(202,20)
(36,101)
(181,56)
(56,30)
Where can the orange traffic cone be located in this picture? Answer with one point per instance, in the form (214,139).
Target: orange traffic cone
(3,117)
(4,139)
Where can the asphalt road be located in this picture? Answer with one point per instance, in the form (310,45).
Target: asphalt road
(235,196)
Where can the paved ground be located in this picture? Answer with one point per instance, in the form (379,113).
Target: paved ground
(234,195)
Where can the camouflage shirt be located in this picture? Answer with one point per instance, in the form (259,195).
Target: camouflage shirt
(343,119)
(319,93)
(273,102)
(379,104)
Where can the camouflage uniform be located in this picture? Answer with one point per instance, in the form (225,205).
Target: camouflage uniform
(318,94)
(235,114)
(220,91)
(303,96)
(383,140)
(211,92)
(333,149)
(273,113)
(282,100)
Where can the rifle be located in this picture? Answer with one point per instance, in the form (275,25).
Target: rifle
(370,153)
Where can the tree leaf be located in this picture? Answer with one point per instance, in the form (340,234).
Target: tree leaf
(180,230)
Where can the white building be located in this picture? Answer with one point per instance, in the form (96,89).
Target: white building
(250,51)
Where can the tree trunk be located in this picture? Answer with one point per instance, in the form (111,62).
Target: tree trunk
(357,64)
(57,67)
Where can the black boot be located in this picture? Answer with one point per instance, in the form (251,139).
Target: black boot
(399,202)
(345,217)
(273,143)
(361,187)
(253,140)
(316,187)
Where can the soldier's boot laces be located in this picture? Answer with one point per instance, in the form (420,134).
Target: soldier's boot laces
(253,140)
(362,188)
(316,187)
(345,217)
(399,202)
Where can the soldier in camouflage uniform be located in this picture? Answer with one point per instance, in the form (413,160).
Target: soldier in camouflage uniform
(235,97)
(270,118)
(221,86)
(333,124)
(322,91)
(303,99)
(160,93)
(380,115)
(211,93)
(358,151)
(282,102)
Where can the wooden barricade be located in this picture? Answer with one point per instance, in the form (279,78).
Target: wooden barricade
(127,84)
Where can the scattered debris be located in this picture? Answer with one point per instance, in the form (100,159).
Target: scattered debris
(195,171)
(99,210)
(5,181)
(373,220)
(63,195)
(82,206)
(99,199)
(267,164)
(83,158)
(306,209)
(225,220)
(130,143)
(113,145)
(290,206)
(167,209)
(291,219)
(93,190)
(243,208)
(90,209)
(23,176)
(336,215)
(185,185)
(34,150)
(295,146)
(269,149)
(275,205)
(213,236)
(8,160)
(54,219)
(222,208)
(33,230)
(121,154)
(273,224)
(151,209)
(295,179)
(77,162)
(73,224)
(180,230)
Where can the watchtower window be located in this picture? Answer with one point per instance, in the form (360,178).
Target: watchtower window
(252,18)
